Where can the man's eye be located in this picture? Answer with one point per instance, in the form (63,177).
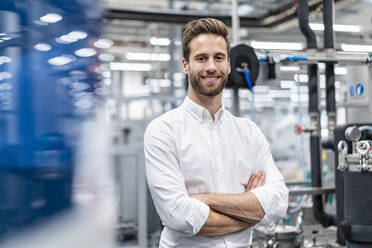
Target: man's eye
(200,59)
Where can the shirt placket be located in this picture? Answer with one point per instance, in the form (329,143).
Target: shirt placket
(220,171)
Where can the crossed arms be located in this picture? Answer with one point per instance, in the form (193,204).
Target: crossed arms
(208,214)
(231,213)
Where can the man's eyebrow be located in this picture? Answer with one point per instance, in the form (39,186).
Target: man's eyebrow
(223,54)
(200,54)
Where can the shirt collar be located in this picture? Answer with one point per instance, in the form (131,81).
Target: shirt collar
(199,112)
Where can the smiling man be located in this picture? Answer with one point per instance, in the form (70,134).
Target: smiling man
(211,175)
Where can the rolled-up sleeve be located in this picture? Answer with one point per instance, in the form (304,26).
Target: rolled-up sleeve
(273,196)
(176,209)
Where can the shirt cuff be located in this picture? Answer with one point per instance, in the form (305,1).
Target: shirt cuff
(260,194)
(198,216)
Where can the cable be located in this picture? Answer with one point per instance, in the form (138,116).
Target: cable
(248,79)
(250,87)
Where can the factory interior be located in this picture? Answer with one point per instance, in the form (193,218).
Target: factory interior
(80,81)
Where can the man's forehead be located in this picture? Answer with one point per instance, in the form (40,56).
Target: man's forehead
(208,44)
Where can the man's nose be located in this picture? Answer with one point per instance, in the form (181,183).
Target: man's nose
(211,66)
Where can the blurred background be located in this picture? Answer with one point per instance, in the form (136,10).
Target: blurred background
(81,79)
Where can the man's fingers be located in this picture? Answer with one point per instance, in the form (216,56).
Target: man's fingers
(249,185)
(255,180)
(262,179)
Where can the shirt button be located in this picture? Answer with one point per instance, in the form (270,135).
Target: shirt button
(217,153)
(220,179)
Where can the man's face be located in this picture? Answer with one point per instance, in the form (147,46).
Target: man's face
(208,66)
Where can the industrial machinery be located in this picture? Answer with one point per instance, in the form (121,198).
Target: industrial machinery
(49,98)
(354,179)
(350,143)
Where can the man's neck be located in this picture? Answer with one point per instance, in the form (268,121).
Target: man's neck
(211,103)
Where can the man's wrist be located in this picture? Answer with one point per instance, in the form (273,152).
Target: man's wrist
(201,197)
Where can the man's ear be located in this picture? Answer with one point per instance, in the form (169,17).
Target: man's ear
(185,66)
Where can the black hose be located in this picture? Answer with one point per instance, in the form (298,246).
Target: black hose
(312,72)
(330,88)
(328,24)
(316,178)
(316,181)
(303,21)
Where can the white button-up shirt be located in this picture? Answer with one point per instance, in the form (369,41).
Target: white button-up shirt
(189,153)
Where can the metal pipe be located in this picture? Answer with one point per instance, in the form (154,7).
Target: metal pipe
(316,178)
(329,34)
(235,20)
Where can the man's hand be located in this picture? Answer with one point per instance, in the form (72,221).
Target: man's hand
(256,180)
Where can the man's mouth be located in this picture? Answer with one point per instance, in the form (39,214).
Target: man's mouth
(211,79)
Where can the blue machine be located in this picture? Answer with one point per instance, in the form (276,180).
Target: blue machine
(49,81)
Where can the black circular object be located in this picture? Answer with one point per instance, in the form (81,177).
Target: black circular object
(239,55)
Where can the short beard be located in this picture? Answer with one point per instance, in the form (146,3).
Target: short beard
(198,87)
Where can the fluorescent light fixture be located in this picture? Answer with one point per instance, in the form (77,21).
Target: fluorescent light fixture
(5,60)
(5,86)
(299,97)
(78,35)
(159,41)
(287,84)
(163,83)
(106,57)
(51,18)
(279,93)
(5,75)
(103,43)
(261,89)
(149,56)
(177,76)
(341,71)
(85,52)
(337,27)
(302,78)
(66,39)
(276,45)
(289,68)
(115,66)
(84,103)
(106,74)
(43,47)
(80,86)
(356,48)
(61,60)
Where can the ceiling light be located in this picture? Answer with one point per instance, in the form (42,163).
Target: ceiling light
(51,18)
(103,43)
(5,59)
(336,27)
(289,68)
(79,35)
(5,75)
(159,41)
(85,52)
(149,56)
(106,57)
(303,78)
(341,71)
(115,66)
(61,60)
(356,48)
(287,84)
(276,45)
(43,47)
